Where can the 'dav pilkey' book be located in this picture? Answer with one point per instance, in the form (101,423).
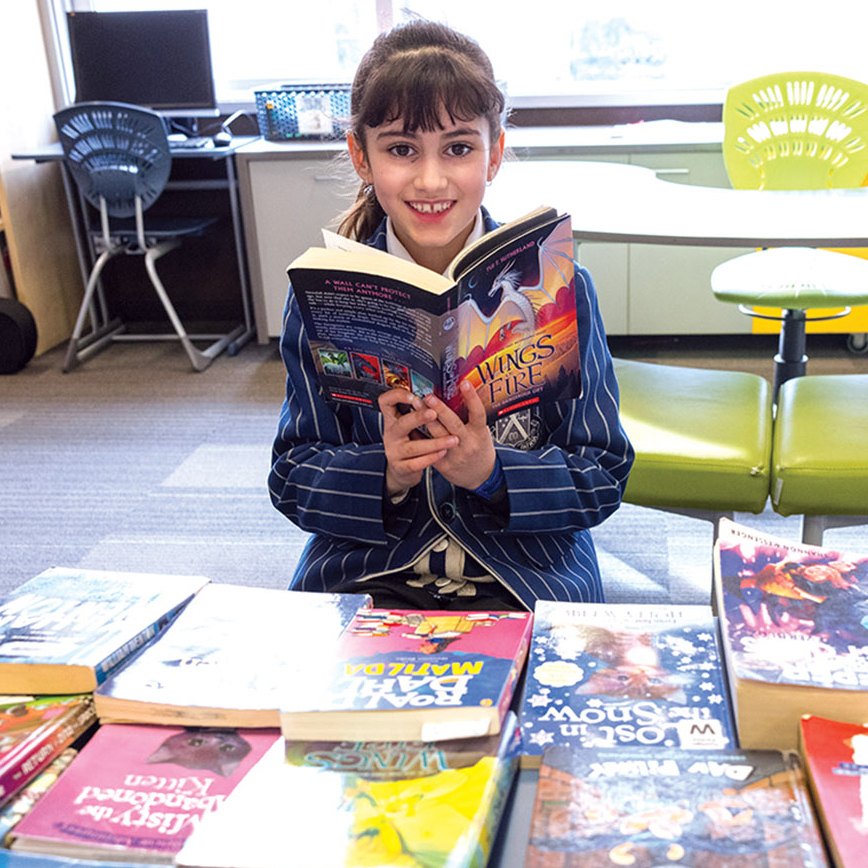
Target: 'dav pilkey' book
(228,658)
(503,318)
(34,730)
(632,806)
(362,804)
(603,675)
(794,629)
(136,793)
(412,675)
(66,630)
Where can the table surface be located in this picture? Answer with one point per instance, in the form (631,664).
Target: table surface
(53,152)
(626,203)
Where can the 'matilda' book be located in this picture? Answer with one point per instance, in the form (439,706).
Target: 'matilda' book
(603,675)
(794,625)
(66,630)
(412,675)
(502,318)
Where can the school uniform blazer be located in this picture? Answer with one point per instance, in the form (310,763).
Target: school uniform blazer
(328,477)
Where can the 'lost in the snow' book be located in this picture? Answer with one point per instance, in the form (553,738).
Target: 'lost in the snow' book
(607,675)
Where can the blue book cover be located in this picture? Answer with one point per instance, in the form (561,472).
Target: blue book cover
(65,630)
(612,675)
(705,809)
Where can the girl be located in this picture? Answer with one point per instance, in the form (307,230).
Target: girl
(468,518)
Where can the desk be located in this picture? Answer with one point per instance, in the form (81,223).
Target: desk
(612,202)
(225,156)
(624,203)
(289,190)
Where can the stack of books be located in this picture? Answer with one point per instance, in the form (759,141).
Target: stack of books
(391,728)
(658,734)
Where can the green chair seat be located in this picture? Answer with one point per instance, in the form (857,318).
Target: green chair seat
(820,452)
(702,437)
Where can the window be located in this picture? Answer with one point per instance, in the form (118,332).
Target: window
(567,52)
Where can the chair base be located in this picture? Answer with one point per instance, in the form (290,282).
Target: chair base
(92,343)
(105,330)
(814,526)
(792,279)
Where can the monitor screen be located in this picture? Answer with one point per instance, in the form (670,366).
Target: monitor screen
(160,60)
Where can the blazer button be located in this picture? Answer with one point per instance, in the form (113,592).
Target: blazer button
(447,512)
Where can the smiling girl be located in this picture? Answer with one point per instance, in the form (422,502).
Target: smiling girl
(470,517)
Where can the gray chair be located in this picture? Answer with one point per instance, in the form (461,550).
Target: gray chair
(118,155)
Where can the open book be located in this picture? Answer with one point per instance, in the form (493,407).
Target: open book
(503,317)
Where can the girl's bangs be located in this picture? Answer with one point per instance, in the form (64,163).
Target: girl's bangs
(419,91)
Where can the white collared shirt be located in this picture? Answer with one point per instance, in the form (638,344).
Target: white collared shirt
(396,248)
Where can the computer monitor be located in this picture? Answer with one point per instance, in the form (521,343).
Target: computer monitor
(160,60)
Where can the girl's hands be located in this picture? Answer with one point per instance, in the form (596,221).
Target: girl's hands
(462,452)
(408,450)
(470,462)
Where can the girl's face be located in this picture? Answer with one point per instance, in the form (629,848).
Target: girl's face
(430,184)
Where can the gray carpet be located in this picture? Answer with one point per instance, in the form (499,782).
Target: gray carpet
(135,462)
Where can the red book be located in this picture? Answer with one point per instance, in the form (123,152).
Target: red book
(836,759)
(35,730)
(136,792)
(412,675)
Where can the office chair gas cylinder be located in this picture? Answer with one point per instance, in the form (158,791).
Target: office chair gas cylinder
(118,155)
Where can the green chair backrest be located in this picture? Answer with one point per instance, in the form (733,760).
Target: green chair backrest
(796,131)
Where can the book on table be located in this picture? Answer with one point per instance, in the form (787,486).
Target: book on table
(635,806)
(135,792)
(66,630)
(609,675)
(407,674)
(21,804)
(361,804)
(228,658)
(34,730)
(503,318)
(794,628)
(835,757)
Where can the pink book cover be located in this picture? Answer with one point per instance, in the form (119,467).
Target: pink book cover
(393,658)
(140,788)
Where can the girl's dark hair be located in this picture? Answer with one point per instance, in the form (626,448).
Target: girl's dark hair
(414,72)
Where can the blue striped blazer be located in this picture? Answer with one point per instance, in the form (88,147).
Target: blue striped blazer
(328,477)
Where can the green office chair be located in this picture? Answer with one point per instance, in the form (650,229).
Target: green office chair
(118,155)
(795,131)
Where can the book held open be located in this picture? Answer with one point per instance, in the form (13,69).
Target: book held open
(503,317)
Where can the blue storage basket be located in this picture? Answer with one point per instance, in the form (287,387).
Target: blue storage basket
(303,111)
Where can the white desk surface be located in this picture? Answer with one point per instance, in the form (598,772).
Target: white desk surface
(628,203)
